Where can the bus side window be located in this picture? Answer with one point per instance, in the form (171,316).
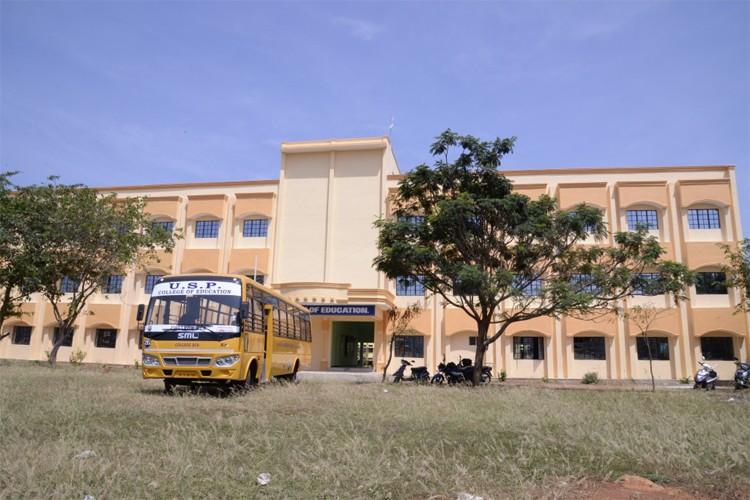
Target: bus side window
(257,315)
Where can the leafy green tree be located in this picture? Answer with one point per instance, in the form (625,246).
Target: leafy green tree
(461,230)
(15,287)
(737,271)
(76,238)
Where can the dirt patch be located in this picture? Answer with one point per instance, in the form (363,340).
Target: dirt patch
(627,488)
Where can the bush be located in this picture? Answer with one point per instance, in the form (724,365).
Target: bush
(77,357)
(590,378)
(684,380)
(502,376)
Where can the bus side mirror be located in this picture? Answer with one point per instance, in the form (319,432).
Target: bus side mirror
(141,310)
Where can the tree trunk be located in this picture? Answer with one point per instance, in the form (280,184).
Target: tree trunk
(482,328)
(650,363)
(390,356)
(53,352)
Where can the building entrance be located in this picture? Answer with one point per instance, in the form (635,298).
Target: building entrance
(352,344)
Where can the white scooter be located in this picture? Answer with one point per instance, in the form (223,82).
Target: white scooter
(706,377)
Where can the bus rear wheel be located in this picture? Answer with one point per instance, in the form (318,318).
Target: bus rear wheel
(292,377)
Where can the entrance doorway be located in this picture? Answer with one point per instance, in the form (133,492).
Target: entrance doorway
(352,344)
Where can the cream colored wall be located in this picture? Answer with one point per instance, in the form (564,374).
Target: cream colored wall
(303,210)
(355,205)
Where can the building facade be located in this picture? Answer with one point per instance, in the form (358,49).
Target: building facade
(310,235)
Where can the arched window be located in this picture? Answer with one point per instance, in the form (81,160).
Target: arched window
(704,218)
(255,228)
(207,228)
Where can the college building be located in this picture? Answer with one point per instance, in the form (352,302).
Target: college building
(309,234)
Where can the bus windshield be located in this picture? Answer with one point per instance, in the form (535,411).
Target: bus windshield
(194,305)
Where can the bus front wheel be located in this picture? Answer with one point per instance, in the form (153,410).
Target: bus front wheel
(251,381)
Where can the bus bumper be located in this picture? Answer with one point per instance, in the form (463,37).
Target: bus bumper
(193,374)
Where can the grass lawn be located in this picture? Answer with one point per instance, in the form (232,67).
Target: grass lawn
(347,440)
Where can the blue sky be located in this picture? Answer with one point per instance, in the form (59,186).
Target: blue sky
(118,93)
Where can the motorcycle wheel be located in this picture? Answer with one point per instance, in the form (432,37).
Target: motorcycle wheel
(697,386)
(486,379)
(711,386)
(737,386)
(438,379)
(397,380)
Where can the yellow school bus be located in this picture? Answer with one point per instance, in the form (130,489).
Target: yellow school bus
(222,329)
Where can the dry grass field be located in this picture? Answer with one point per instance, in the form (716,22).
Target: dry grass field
(348,440)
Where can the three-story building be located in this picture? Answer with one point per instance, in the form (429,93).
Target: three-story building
(310,235)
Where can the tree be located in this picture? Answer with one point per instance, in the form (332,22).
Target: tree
(398,321)
(461,231)
(15,287)
(76,239)
(737,272)
(643,317)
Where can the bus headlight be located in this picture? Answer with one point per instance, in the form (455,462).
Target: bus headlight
(149,360)
(226,361)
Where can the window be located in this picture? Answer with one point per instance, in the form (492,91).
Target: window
(659,348)
(255,228)
(584,283)
(259,278)
(67,341)
(473,340)
(647,284)
(411,346)
(711,283)
(409,286)
(528,348)
(717,348)
(464,288)
(166,225)
(533,288)
(151,280)
(704,218)
(588,228)
(645,218)
(207,229)
(68,285)
(29,286)
(413,219)
(122,228)
(589,348)
(106,338)
(114,284)
(21,335)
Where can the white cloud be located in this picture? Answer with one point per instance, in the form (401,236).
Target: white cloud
(360,29)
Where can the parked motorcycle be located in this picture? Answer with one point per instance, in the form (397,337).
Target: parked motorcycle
(462,373)
(741,376)
(706,377)
(418,373)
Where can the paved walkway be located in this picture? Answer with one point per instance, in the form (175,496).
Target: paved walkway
(349,376)
(365,377)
